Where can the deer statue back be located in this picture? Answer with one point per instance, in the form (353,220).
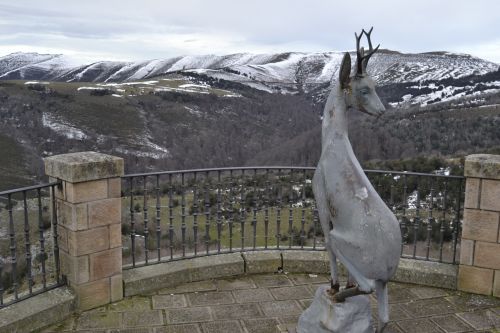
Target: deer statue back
(360,230)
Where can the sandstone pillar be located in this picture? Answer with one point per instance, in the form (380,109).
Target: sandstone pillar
(89,216)
(479,270)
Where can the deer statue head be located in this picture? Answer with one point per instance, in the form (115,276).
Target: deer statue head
(360,88)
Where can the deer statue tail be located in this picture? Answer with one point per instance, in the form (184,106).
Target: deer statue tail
(383,304)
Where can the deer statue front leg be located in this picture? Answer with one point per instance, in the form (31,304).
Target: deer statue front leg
(325,221)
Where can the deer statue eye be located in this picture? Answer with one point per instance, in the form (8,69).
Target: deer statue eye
(365,91)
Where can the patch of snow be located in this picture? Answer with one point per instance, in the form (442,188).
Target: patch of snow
(139,82)
(193,111)
(89,88)
(36,82)
(191,85)
(62,128)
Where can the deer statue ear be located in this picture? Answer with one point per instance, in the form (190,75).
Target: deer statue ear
(345,71)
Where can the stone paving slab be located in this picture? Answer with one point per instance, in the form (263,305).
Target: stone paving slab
(237,311)
(259,303)
(274,280)
(210,298)
(169,301)
(296,292)
(260,325)
(189,328)
(189,315)
(252,295)
(451,323)
(207,285)
(428,307)
(230,326)
(143,318)
(236,283)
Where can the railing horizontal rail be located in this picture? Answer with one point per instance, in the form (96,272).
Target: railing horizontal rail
(172,172)
(222,210)
(410,173)
(29,188)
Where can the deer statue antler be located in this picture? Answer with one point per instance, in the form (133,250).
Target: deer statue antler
(362,58)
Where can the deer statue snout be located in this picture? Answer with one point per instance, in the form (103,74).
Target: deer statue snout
(378,109)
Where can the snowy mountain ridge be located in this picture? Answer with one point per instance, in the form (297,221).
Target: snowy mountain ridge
(289,68)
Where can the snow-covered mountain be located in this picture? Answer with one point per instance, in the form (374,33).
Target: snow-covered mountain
(254,69)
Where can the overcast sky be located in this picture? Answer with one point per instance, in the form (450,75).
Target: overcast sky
(147,29)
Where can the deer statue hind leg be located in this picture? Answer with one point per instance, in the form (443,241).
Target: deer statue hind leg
(382,304)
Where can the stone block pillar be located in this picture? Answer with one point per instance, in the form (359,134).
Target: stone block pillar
(89,216)
(479,270)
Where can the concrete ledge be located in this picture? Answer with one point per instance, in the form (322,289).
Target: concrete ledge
(263,261)
(150,278)
(39,311)
(427,273)
(143,280)
(300,261)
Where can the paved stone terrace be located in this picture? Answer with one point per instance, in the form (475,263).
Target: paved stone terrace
(259,303)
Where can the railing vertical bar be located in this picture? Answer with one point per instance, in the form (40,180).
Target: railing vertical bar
(183,214)
(1,280)
(195,213)
(171,216)
(132,220)
(442,225)
(55,235)
(41,239)
(290,212)
(456,225)
(13,258)
(379,187)
(278,211)
(27,244)
(207,213)
(303,217)
(315,224)
(254,209)
(403,216)
(430,219)
(416,220)
(242,209)
(267,197)
(145,219)
(158,219)
(219,211)
(391,200)
(231,210)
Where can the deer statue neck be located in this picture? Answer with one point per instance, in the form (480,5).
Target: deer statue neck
(334,125)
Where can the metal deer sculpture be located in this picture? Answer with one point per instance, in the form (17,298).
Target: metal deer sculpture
(360,230)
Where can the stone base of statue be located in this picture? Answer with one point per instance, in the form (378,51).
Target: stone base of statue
(324,316)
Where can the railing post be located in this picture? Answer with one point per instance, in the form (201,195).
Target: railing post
(479,270)
(89,224)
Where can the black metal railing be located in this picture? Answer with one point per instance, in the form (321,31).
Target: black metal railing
(29,253)
(174,215)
